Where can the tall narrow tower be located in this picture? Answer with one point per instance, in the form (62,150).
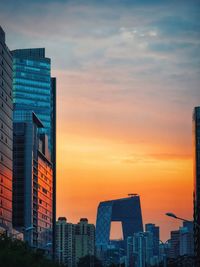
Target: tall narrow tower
(32,181)
(196,138)
(6,134)
(35,90)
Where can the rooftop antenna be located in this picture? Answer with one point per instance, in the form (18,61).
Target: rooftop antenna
(132,195)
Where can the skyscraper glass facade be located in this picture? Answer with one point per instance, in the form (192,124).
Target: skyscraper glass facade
(6,134)
(155,230)
(140,249)
(35,90)
(32,86)
(32,181)
(125,210)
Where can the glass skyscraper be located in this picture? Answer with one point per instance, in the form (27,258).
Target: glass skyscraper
(32,85)
(196,138)
(6,134)
(32,181)
(140,249)
(35,90)
(155,230)
(126,210)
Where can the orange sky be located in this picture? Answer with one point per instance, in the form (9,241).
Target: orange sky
(91,169)
(100,160)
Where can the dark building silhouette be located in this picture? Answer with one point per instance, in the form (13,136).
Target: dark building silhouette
(155,230)
(196,138)
(174,251)
(187,239)
(74,241)
(32,181)
(35,90)
(140,249)
(126,210)
(6,135)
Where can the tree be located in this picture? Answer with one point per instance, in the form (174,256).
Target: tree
(16,253)
(89,261)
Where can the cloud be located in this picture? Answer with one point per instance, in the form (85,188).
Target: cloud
(171,156)
(155,157)
(130,65)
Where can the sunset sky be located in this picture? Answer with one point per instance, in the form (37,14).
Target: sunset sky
(128,77)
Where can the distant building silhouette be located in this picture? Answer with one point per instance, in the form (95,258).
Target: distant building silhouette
(65,242)
(186,239)
(74,241)
(174,251)
(84,239)
(126,210)
(196,138)
(6,135)
(155,230)
(181,242)
(140,249)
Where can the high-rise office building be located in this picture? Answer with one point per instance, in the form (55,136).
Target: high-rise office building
(174,251)
(155,230)
(35,90)
(115,254)
(74,241)
(126,210)
(140,249)
(181,242)
(164,249)
(196,138)
(6,134)
(32,181)
(186,239)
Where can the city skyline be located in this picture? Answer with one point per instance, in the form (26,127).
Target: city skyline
(115,138)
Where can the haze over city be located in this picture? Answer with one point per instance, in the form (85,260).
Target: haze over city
(128,79)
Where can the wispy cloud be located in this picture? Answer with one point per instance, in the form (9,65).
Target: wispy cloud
(155,158)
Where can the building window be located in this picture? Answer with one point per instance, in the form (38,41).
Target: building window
(44,190)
